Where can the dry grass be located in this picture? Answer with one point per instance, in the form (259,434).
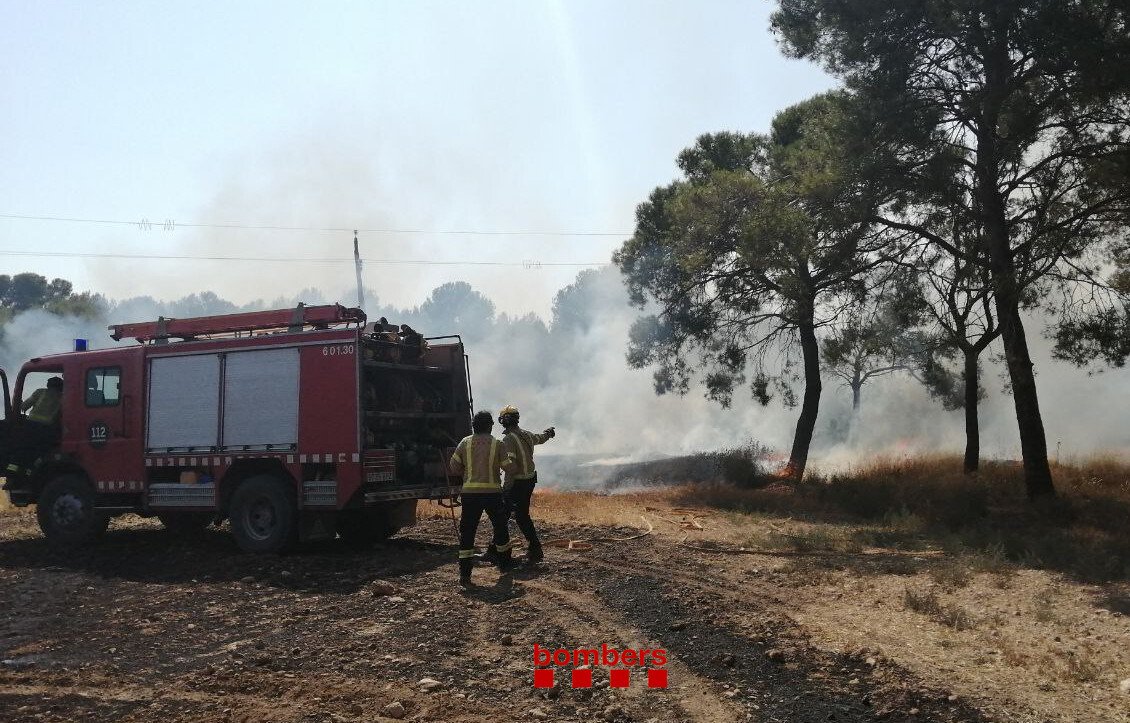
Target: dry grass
(811,571)
(908,558)
(569,508)
(958,578)
(1106,474)
(929,603)
(950,574)
(927,502)
(1043,606)
(1081,667)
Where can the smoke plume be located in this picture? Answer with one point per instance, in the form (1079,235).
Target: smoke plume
(569,370)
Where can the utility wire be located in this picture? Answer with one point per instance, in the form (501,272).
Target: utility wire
(170,225)
(283,259)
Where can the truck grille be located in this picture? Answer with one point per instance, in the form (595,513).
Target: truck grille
(380,466)
(172,494)
(320,492)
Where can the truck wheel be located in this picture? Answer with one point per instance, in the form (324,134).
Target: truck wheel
(66,513)
(263,515)
(185,523)
(361,529)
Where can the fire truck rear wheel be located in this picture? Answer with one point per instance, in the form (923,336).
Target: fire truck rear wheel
(66,511)
(263,515)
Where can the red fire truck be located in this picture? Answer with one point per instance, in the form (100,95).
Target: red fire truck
(292,424)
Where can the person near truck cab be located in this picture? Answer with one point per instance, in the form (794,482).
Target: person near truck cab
(479,459)
(45,404)
(42,426)
(521,475)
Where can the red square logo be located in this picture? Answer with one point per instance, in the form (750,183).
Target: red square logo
(619,677)
(543,678)
(657,678)
(582,678)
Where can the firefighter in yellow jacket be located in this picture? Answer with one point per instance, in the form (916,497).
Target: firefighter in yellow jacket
(480,460)
(45,404)
(521,474)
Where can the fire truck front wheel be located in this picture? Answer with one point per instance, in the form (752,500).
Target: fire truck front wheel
(66,511)
(263,515)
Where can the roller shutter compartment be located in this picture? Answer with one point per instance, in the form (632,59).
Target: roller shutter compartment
(261,399)
(184,402)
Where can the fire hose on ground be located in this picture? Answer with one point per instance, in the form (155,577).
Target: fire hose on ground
(585,545)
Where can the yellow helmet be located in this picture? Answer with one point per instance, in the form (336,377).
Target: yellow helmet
(508,416)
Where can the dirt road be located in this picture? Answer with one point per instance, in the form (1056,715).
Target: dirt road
(148,627)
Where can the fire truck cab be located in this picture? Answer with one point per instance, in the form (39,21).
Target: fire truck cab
(291,424)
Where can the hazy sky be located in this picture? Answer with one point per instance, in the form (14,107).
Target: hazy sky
(495,116)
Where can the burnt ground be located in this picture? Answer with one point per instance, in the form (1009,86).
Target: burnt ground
(145,627)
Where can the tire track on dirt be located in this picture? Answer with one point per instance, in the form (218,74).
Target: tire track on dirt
(132,693)
(590,623)
(688,611)
(320,695)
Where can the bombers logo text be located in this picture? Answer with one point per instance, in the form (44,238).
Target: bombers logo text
(583,660)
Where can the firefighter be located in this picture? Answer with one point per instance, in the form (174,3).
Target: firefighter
(479,459)
(45,404)
(41,429)
(521,475)
(413,344)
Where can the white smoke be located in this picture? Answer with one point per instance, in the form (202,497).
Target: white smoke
(37,333)
(573,375)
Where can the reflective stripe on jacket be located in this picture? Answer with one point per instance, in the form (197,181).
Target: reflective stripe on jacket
(518,444)
(45,406)
(479,460)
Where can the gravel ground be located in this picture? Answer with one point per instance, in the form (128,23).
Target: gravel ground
(145,626)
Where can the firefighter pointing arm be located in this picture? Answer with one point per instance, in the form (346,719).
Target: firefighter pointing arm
(521,474)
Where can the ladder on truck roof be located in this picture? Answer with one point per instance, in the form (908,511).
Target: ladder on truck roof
(289,320)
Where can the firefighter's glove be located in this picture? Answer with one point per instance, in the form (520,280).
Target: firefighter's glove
(551,432)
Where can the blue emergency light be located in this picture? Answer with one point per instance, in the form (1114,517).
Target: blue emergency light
(80,344)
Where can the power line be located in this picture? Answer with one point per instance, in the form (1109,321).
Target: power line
(528,264)
(170,225)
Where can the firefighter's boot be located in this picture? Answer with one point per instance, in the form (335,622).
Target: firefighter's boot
(465,567)
(505,561)
(534,554)
(491,556)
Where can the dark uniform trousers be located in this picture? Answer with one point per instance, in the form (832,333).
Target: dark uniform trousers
(27,442)
(518,500)
(474,505)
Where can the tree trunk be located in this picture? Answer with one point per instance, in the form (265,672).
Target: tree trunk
(972,426)
(856,387)
(1033,444)
(997,243)
(810,407)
